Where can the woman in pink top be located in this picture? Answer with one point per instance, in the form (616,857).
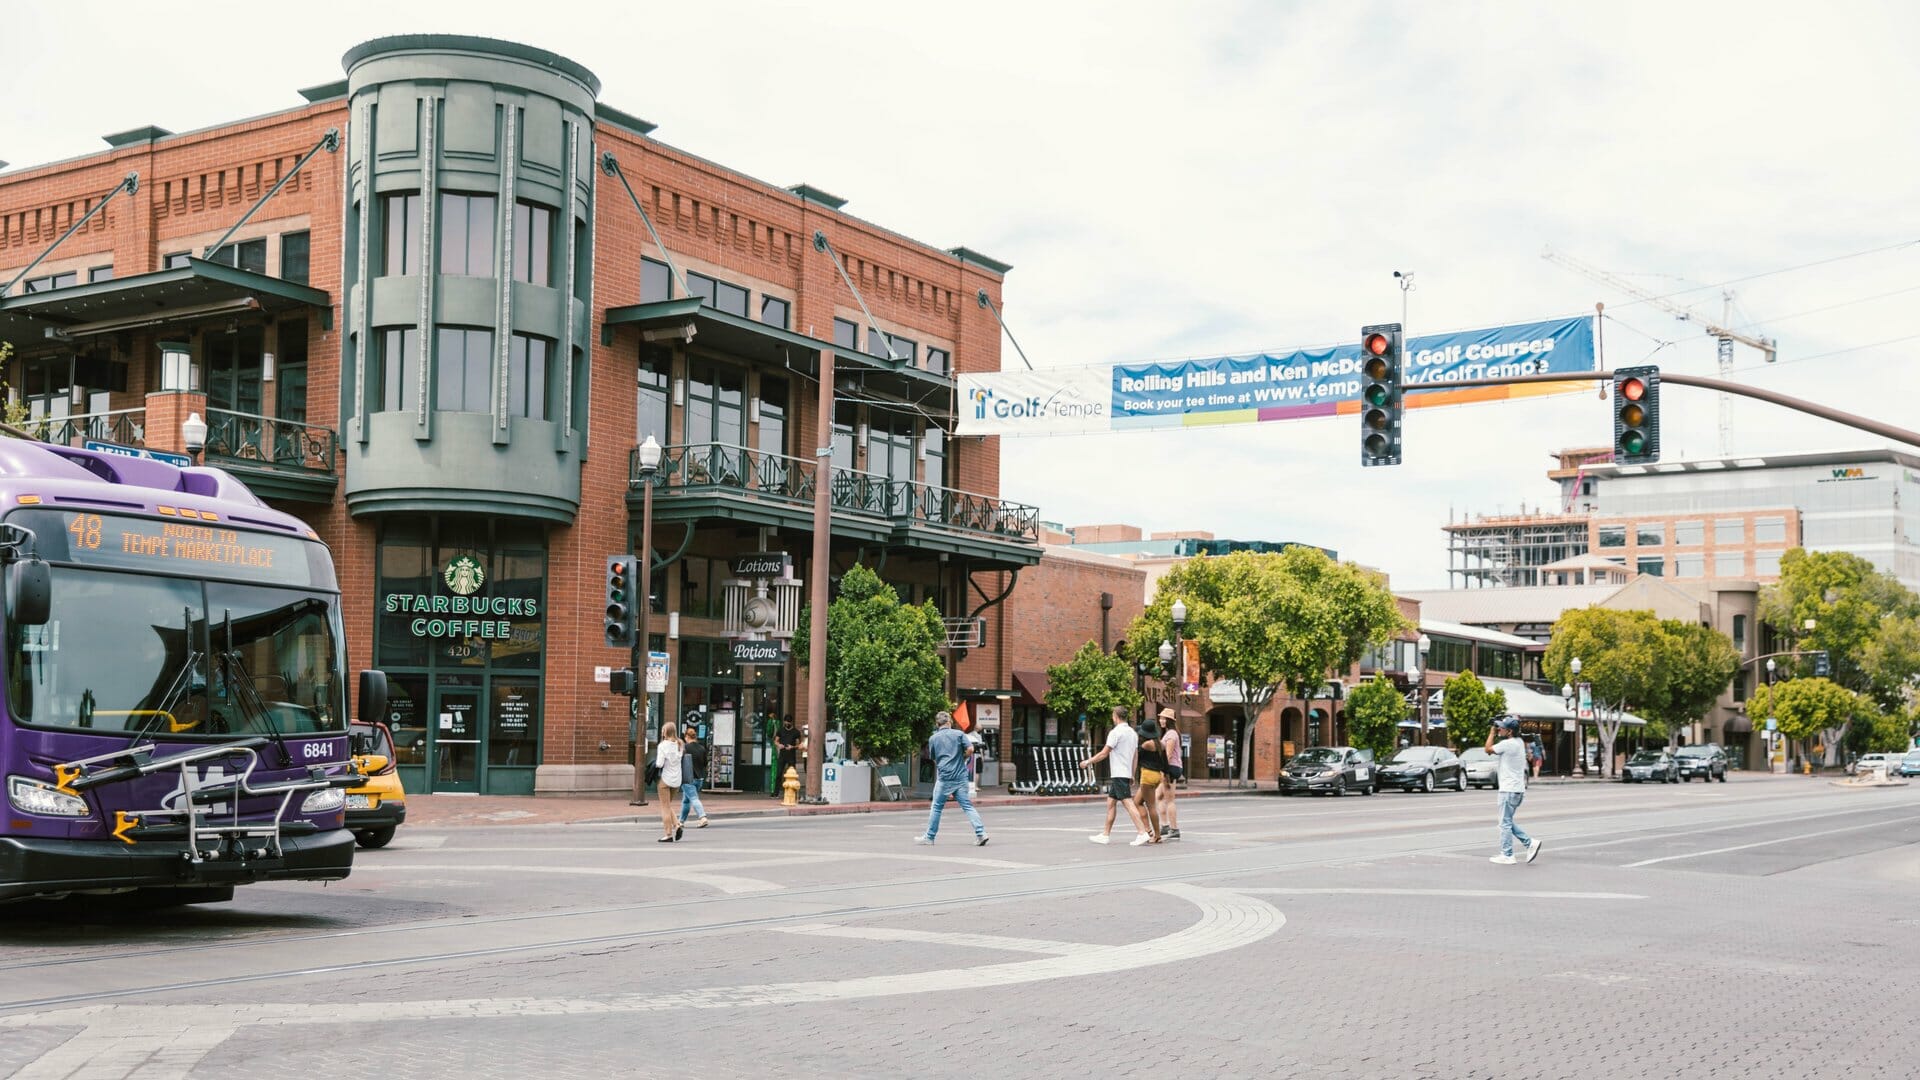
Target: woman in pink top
(1176,768)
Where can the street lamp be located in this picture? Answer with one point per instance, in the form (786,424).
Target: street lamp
(649,462)
(193,436)
(1425,647)
(1580,735)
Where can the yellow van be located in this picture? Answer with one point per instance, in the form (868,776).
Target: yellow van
(379,805)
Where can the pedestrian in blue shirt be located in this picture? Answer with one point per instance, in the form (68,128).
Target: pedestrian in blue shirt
(950,750)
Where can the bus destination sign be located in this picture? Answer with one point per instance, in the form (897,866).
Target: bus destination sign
(180,547)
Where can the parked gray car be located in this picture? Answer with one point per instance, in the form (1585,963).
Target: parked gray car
(1651,765)
(1481,767)
(1335,770)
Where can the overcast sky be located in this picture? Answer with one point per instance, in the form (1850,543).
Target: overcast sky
(1173,180)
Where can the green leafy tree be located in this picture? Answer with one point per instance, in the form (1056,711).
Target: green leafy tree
(1807,709)
(1887,732)
(1699,663)
(1620,655)
(12,412)
(1092,684)
(1891,661)
(1374,711)
(1266,620)
(885,680)
(1846,599)
(1470,708)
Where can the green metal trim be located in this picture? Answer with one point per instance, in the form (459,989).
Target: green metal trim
(809,193)
(136,136)
(711,505)
(626,121)
(987,262)
(414,500)
(325,91)
(512,50)
(40,305)
(980,546)
(281,484)
(692,307)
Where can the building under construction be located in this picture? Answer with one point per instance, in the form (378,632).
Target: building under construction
(1510,549)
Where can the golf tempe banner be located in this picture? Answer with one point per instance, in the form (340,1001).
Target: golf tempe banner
(1265,386)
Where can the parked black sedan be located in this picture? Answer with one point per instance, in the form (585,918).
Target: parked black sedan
(1424,768)
(1651,765)
(1332,769)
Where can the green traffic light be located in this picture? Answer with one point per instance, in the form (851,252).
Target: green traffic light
(1378,395)
(1633,442)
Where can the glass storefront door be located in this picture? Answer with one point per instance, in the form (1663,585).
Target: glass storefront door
(454,744)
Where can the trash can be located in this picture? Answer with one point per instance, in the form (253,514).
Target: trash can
(846,782)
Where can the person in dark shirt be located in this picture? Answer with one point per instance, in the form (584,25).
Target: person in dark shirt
(693,773)
(787,742)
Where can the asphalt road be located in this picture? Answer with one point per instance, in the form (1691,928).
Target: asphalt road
(1762,927)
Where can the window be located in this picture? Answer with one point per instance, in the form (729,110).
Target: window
(774,311)
(396,362)
(1770,530)
(845,334)
(177,260)
(100,273)
(715,403)
(890,446)
(233,369)
(290,376)
(656,281)
(718,294)
(1766,564)
(1650,534)
(1729,564)
(1740,685)
(939,361)
(1651,565)
(527,376)
(466,237)
(400,233)
(845,415)
(248,255)
(1689,566)
(1729,532)
(1498,662)
(1613,536)
(773,416)
(934,442)
(462,358)
(1450,654)
(1740,634)
(655,362)
(1689,533)
(51,282)
(879,342)
(296,255)
(532,243)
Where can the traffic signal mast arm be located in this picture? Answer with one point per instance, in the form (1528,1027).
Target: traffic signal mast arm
(1853,420)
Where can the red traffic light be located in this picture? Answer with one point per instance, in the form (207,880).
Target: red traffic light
(1375,344)
(1633,389)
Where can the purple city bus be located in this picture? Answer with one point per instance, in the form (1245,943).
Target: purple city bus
(175,715)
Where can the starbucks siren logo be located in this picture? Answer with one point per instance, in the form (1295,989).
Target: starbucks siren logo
(464,576)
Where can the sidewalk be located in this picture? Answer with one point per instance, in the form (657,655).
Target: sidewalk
(448,811)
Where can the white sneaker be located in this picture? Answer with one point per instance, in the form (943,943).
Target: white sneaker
(1143,838)
(1533,850)
(1503,860)
(1101,838)
(927,841)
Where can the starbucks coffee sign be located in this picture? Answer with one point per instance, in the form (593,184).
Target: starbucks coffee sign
(466,613)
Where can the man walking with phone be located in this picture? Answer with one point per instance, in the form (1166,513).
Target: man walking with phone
(1510,753)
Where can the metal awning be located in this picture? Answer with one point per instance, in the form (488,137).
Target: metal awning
(1530,704)
(199,289)
(1033,685)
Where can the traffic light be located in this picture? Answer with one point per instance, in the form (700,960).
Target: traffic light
(621,681)
(1636,415)
(620,601)
(1381,403)
(1822,667)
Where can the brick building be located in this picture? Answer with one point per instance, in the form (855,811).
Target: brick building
(442,343)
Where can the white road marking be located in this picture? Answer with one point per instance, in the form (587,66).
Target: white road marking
(1660,834)
(164,1042)
(788,854)
(935,937)
(715,875)
(1765,843)
(1520,893)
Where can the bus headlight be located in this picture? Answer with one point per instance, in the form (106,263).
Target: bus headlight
(322,801)
(30,796)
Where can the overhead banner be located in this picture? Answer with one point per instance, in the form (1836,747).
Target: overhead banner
(1265,386)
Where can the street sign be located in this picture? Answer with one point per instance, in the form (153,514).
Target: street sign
(759,652)
(602,672)
(1585,711)
(116,449)
(656,673)
(1773,724)
(768,564)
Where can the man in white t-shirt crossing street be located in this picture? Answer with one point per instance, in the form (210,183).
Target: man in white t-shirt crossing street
(1121,752)
(1510,754)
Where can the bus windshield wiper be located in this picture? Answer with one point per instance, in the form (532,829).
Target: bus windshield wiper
(246,693)
(185,682)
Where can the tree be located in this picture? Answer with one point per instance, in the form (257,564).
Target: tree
(1266,620)
(1699,662)
(1092,684)
(885,680)
(1807,708)
(12,412)
(1620,655)
(1891,661)
(1470,708)
(1374,711)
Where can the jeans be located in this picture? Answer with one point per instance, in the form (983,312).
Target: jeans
(690,800)
(1509,832)
(957,789)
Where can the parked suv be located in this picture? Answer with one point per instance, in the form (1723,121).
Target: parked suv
(1704,760)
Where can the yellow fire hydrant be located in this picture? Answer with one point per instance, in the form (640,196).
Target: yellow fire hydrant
(790,788)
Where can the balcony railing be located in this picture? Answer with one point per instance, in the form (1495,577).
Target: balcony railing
(124,427)
(270,442)
(757,474)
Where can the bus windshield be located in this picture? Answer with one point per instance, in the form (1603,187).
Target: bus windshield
(179,656)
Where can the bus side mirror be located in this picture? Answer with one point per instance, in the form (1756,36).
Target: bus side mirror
(373,696)
(29,593)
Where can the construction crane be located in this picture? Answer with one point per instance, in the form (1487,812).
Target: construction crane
(1767,347)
